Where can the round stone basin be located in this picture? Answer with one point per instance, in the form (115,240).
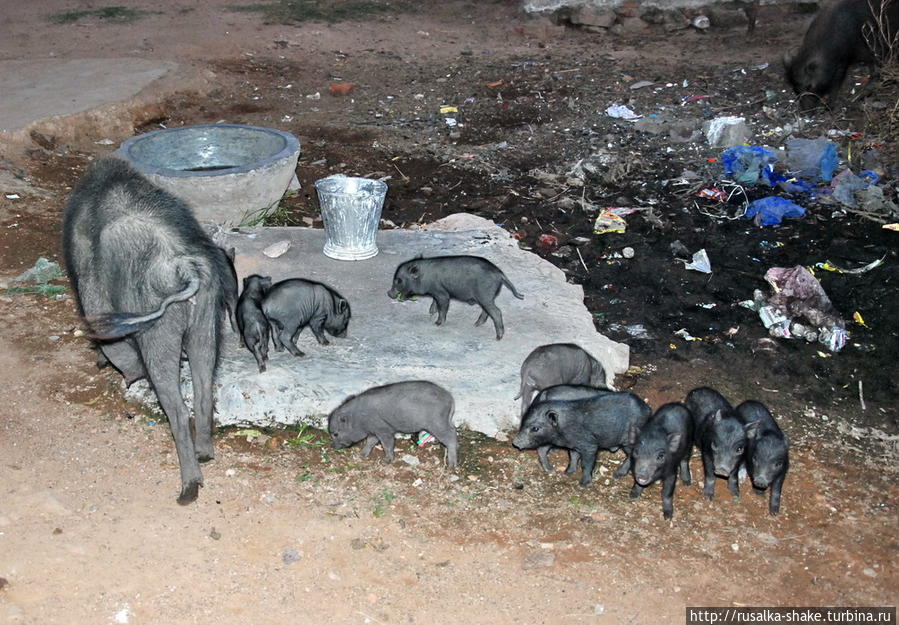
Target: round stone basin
(230,174)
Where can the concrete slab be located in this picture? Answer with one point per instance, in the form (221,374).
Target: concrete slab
(389,341)
(38,89)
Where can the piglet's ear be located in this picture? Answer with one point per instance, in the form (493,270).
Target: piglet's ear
(718,416)
(553,418)
(342,306)
(674,440)
(632,435)
(751,429)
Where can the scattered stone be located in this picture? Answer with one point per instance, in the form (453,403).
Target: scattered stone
(700,22)
(57,531)
(518,486)
(214,535)
(869,572)
(726,18)
(598,609)
(411,460)
(358,544)
(418,482)
(628,252)
(123,615)
(630,26)
(289,556)
(333,576)
(640,84)
(3,583)
(586,16)
(538,559)
(277,249)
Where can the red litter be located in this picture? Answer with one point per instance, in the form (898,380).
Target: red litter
(716,195)
(547,243)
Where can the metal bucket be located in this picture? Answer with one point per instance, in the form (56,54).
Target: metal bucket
(351,212)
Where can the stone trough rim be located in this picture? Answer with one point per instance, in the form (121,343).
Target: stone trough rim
(292,146)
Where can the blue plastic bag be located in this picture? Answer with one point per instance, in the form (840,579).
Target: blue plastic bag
(812,159)
(749,164)
(769,211)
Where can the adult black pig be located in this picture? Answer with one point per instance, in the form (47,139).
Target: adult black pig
(469,279)
(840,35)
(151,286)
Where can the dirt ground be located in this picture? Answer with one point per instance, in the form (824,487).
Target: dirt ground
(288,530)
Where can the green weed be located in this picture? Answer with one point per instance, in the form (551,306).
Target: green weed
(47,290)
(113,14)
(382,502)
(292,11)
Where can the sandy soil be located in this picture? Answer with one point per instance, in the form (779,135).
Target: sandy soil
(287,530)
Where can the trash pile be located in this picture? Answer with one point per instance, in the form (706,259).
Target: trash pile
(798,308)
(805,170)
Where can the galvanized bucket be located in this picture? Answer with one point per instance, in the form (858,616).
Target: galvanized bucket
(351,212)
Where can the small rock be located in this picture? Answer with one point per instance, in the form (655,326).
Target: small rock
(598,609)
(869,572)
(501,436)
(230,473)
(427,191)
(289,556)
(3,583)
(57,531)
(357,544)
(277,249)
(538,559)
(585,16)
(308,221)
(735,546)
(628,252)
(214,535)
(630,26)
(411,460)
(518,486)
(640,84)
(333,576)
(418,482)
(579,241)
